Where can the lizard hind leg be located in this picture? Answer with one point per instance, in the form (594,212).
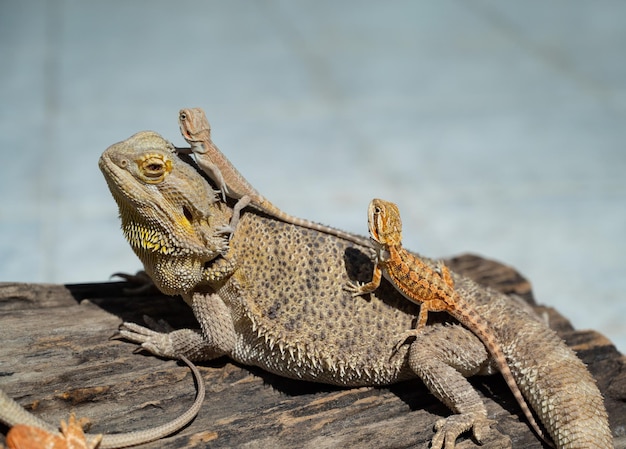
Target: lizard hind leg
(422,318)
(443,356)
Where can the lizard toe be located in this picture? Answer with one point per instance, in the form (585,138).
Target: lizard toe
(156,343)
(447,430)
(355,288)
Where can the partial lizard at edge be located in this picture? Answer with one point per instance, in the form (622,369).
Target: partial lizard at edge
(12,414)
(280,304)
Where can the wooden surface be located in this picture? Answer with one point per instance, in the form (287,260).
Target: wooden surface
(56,357)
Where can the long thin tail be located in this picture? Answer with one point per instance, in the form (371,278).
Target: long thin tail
(11,414)
(269,208)
(145,436)
(479,326)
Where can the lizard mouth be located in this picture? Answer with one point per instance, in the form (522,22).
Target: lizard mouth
(117,176)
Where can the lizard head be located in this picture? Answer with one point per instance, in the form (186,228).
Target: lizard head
(168,211)
(385,226)
(194,127)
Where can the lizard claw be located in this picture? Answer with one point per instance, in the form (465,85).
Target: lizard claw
(449,429)
(141,280)
(155,342)
(226,229)
(355,288)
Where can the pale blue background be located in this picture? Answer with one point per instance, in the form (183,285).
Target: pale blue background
(498,127)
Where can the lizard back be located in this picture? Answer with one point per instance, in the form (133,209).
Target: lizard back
(296,303)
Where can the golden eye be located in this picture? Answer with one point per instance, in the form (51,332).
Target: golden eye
(154,168)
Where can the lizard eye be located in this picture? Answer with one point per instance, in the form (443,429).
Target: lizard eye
(182,116)
(154,168)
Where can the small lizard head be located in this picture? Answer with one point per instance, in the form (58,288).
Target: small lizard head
(384,222)
(194,127)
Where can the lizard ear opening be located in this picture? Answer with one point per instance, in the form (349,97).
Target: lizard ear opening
(187,213)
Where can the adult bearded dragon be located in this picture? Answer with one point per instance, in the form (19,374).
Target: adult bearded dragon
(433,289)
(280,304)
(196,130)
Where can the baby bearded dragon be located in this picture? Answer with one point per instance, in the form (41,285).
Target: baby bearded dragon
(26,427)
(433,290)
(196,130)
(30,437)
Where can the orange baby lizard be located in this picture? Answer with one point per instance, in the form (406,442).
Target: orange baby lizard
(433,289)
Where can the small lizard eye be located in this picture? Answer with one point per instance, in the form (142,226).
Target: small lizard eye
(182,116)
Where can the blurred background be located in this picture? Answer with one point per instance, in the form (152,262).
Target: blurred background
(497,127)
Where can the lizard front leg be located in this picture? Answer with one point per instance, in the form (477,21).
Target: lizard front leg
(215,338)
(359,289)
(443,356)
(211,169)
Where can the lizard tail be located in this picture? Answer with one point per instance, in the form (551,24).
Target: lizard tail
(268,207)
(554,381)
(572,408)
(482,330)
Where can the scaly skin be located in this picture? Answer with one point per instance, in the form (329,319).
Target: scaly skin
(196,130)
(277,301)
(432,289)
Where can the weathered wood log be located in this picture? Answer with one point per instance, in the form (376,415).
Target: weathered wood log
(56,357)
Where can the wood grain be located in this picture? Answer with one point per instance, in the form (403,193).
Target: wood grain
(56,356)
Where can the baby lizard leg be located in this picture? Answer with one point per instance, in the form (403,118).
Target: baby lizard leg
(358,289)
(243,202)
(211,169)
(422,318)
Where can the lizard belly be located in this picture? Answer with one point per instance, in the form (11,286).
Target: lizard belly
(319,363)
